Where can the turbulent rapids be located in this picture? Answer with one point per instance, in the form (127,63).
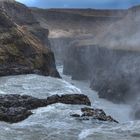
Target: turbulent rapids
(54,122)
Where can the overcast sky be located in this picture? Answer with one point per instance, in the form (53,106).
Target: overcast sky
(103,4)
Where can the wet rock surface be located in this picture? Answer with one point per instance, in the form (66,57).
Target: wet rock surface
(15,108)
(90,113)
(13,115)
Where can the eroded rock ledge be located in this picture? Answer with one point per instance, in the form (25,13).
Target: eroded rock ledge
(15,108)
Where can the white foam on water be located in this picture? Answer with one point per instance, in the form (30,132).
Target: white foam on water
(124,131)
(85,133)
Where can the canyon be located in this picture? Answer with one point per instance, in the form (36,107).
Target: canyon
(98,45)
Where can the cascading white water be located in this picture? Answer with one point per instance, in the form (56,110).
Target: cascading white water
(54,122)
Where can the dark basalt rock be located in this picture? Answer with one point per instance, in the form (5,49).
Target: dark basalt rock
(90,113)
(75,115)
(13,115)
(15,108)
(24,101)
(74,99)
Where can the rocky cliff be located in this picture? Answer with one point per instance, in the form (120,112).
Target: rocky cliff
(22,15)
(21,52)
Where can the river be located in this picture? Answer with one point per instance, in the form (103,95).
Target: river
(54,122)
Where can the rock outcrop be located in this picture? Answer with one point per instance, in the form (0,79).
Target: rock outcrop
(21,52)
(15,108)
(96,114)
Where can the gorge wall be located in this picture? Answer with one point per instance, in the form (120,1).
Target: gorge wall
(110,59)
